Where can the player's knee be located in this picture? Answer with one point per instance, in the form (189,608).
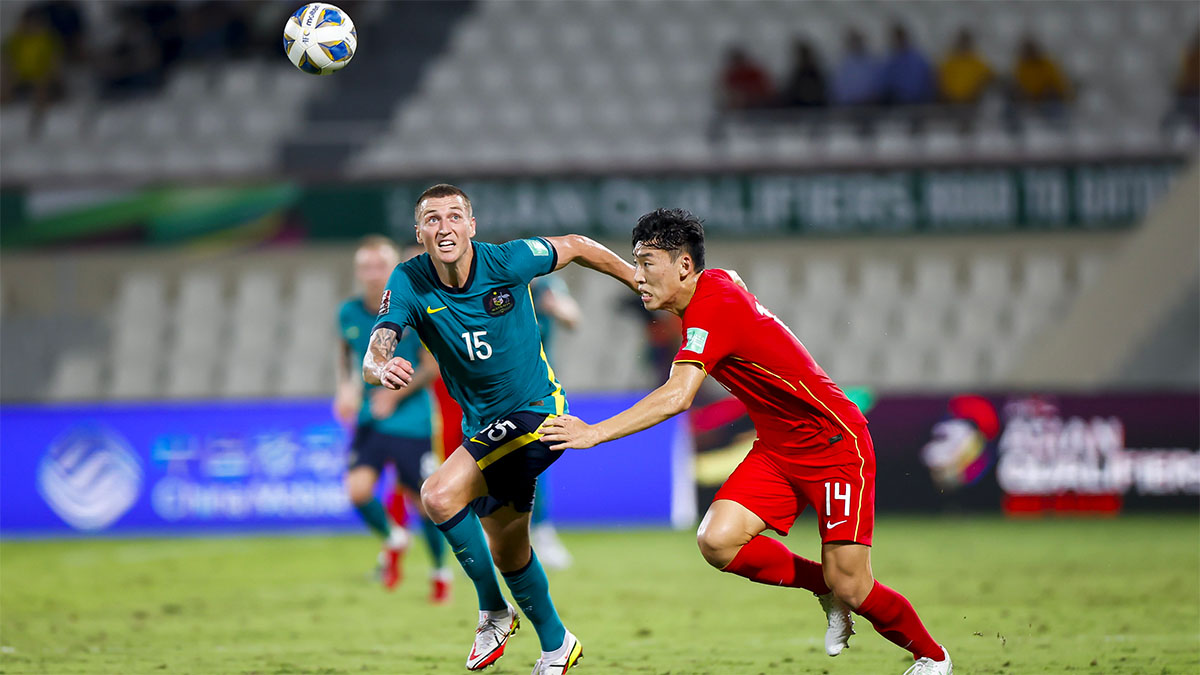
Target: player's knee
(359,491)
(851,587)
(439,500)
(717,544)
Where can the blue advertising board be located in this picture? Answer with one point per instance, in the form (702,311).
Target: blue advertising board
(247,466)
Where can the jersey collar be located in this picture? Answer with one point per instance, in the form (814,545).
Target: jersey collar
(470,275)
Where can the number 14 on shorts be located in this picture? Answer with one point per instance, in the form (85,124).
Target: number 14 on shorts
(839,492)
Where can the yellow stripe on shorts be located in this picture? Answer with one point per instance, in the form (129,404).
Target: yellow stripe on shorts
(508,448)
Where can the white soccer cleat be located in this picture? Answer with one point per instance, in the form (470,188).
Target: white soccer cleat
(565,657)
(927,666)
(841,624)
(491,635)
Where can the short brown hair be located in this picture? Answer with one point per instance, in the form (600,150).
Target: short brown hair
(377,241)
(441,190)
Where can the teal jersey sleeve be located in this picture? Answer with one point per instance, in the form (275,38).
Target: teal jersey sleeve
(411,418)
(484,334)
(398,306)
(527,258)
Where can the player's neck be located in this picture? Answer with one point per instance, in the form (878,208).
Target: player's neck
(683,298)
(455,274)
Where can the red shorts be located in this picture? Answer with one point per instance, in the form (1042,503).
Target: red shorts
(776,484)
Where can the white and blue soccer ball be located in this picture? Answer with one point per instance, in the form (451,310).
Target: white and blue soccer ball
(319,39)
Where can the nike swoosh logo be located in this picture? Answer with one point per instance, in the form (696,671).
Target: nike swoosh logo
(476,440)
(830,526)
(430,310)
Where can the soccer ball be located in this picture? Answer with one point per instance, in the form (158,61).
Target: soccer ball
(319,39)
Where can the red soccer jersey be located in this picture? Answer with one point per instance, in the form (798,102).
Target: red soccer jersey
(746,348)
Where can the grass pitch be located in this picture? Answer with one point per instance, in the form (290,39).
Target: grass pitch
(1053,596)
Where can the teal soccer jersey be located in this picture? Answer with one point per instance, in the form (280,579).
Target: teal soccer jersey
(484,335)
(412,416)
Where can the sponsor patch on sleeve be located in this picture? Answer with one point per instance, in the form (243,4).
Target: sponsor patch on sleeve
(696,337)
(385,303)
(538,247)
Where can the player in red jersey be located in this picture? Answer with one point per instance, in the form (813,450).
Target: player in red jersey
(813,447)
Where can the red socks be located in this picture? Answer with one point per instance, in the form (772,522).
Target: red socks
(768,561)
(397,509)
(894,618)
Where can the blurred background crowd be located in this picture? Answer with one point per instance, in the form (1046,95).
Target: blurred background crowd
(1055,126)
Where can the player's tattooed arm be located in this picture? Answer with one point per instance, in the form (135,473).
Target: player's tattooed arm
(591,254)
(380,367)
(672,398)
(385,401)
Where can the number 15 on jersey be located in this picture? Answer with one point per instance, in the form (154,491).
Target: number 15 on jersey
(477,347)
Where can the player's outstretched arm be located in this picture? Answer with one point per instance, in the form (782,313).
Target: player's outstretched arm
(589,253)
(672,398)
(380,367)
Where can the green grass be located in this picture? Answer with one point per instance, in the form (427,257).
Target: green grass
(1054,596)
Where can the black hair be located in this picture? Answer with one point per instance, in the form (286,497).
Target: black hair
(674,231)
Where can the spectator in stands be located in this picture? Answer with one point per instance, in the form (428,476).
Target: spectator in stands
(964,75)
(32,64)
(1186,92)
(805,84)
(907,74)
(1038,83)
(744,83)
(857,80)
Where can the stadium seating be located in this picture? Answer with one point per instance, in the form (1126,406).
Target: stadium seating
(550,86)
(909,314)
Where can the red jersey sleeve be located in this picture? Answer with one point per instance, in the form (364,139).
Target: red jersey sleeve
(709,332)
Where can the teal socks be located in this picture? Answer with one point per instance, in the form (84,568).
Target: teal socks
(531,591)
(437,543)
(374,516)
(464,533)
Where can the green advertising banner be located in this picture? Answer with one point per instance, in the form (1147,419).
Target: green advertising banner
(963,200)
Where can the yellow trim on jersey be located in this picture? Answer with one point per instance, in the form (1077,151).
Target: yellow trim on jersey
(560,401)
(508,448)
(699,363)
(767,371)
(861,462)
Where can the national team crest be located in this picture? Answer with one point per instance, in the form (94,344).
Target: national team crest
(498,301)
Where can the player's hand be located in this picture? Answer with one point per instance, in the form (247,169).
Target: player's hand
(345,407)
(396,374)
(567,431)
(383,404)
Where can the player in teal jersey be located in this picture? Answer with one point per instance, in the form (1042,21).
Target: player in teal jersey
(470,303)
(389,426)
(552,305)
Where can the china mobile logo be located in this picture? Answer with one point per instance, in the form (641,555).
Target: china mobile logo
(90,477)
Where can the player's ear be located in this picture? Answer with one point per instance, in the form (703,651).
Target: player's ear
(417,230)
(685,266)
(472,227)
